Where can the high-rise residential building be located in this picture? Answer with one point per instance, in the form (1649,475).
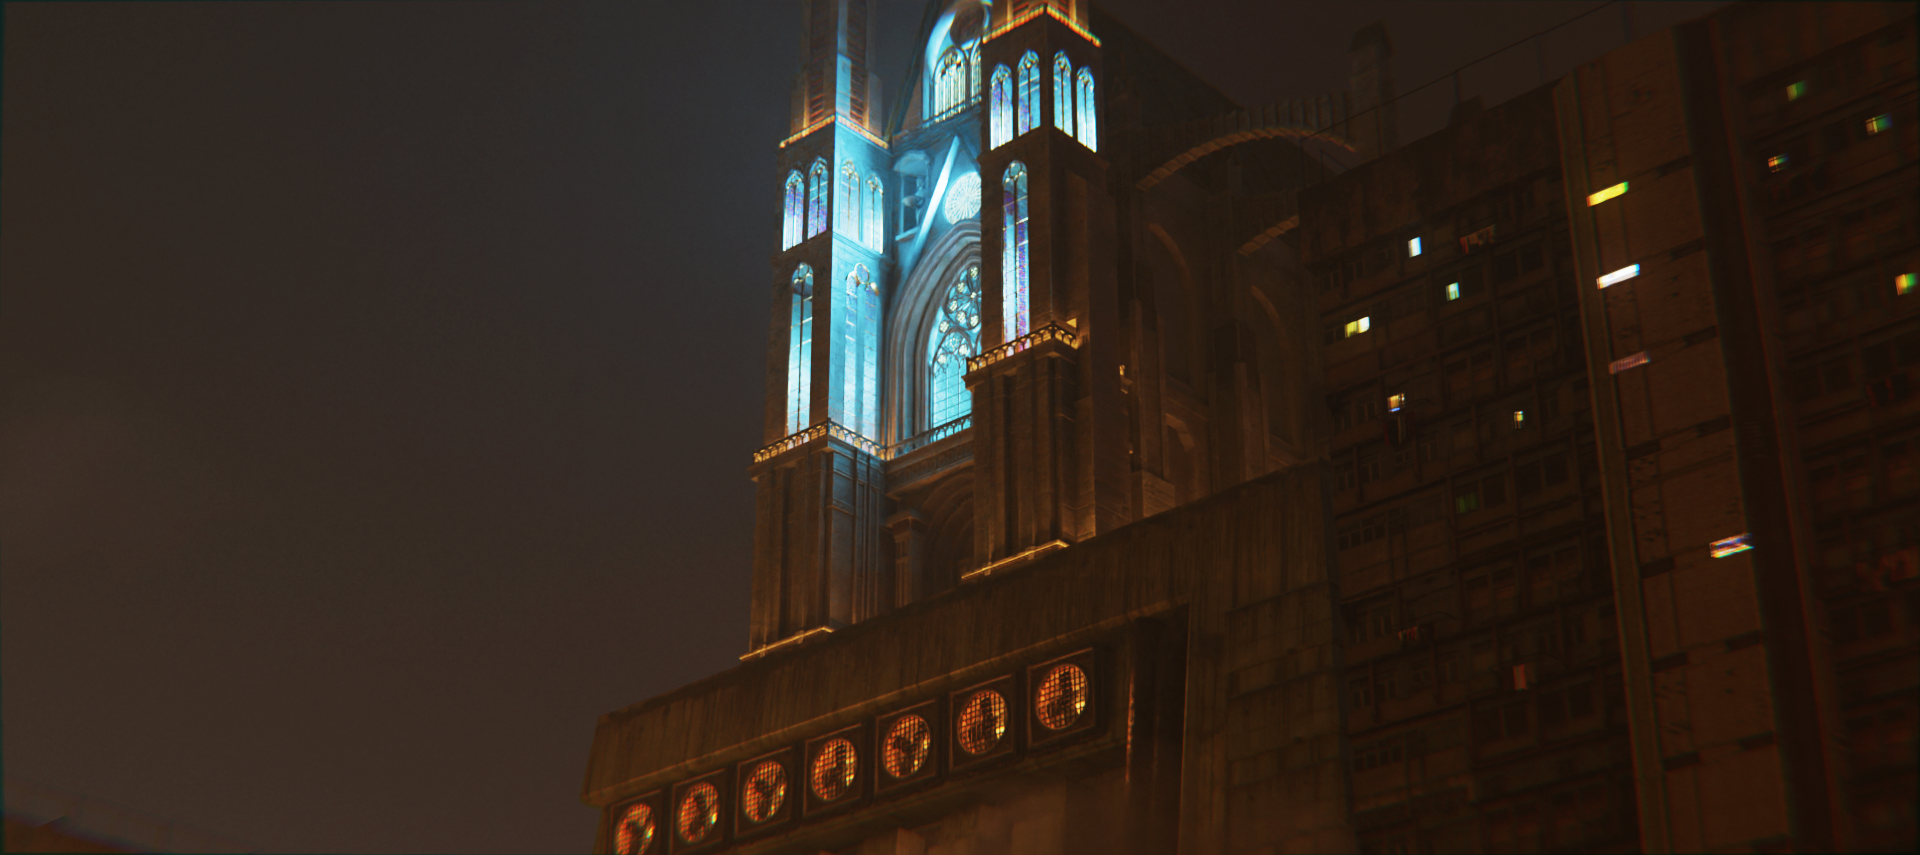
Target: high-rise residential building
(1133,482)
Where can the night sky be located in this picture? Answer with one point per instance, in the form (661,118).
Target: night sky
(378,380)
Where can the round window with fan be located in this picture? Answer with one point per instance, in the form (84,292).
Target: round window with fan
(699,813)
(1062,698)
(634,834)
(909,743)
(834,768)
(765,791)
(983,722)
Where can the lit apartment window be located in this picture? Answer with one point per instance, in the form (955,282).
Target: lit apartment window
(1413,247)
(1453,291)
(1797,90)
(1879,123)
(1777,162)
(1604,195)
(1355,328)
(1906,283)
(1621,275)
(1395,402)
(1519,419)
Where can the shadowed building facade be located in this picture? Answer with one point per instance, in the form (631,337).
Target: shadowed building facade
(1133,483)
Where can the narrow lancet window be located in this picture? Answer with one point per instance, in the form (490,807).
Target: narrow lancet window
(800,351)
(1089,126)
(859,402)
(876,241)
(1028,111)
(1063,92)
(955,336)
(1013,254)
(1000,118)
(817,191)
(793,220)
(849,201)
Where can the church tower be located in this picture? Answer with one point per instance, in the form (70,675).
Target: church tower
(939,402)
(817,527)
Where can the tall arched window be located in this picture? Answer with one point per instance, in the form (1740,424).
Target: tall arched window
(859,403)
(849,201)
(1063,92)
(955,336)
(1000,110)
(1089,125)
(973,70)
(793,221)
(949,82)
(800,352)
(1029,110)
(1013,254)
(817,191)
(876,240)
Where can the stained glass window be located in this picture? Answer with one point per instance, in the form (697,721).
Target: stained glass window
(1063,92)
(800,352)
(1000,110)
(817,191)
(949,82)
(1029,107)
(1089,126)
(849,201)
(793,223)
(955,336)
(1013,254)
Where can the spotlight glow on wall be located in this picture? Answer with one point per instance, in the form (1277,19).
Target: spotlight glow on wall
(1606,194)
(1621,275)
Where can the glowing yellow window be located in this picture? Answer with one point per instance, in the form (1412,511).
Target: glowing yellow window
(1519,419)
(1453,291)
(1906,283)
(1395,402)
(1355,328)
(1609,193)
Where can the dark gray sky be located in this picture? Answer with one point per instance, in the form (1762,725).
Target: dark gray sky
(377,380)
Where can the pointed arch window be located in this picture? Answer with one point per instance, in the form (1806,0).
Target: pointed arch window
(1089,126)
(817,191)
(973,70)
(1000,108)
(849,201)
(875,239)
(800,351)
(793,220)
(1028,111)
(1063,92)
(1013,253)
(949,82)
(955,336)
(859,404)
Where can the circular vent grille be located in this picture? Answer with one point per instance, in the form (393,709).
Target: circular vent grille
(983,722)
(833,769)
(699,812)
(909,742)
(1062,697)
(634,835)
(765,792)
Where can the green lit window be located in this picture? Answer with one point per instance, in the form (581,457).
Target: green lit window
(954,337)
(1797,90)
(1879,123)
(1777,163)
(1906,283)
